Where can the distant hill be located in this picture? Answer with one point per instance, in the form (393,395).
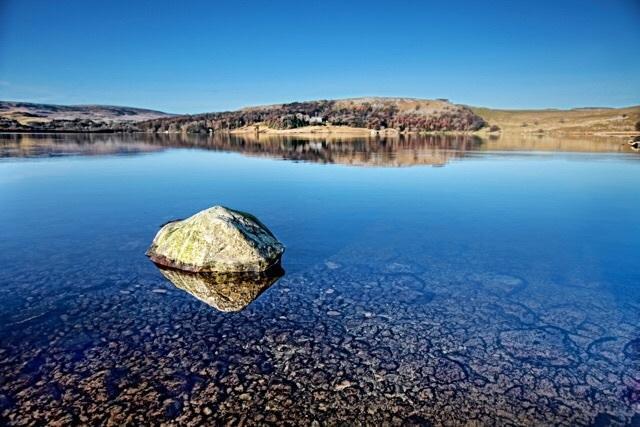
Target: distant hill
(37,117)
(29,112)
(576,121)
(356,116)
(399,114)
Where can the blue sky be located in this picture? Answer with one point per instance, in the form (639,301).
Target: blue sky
(195,56)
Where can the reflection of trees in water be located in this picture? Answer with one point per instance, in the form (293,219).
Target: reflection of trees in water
(396,151)
(45,145)
(403,150)
(393,151)
(387,151)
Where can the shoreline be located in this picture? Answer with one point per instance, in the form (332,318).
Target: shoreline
(348,132)
(349,118)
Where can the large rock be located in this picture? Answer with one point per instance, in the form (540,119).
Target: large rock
(217,239)
(224,291)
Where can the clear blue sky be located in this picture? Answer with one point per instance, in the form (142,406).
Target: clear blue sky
(208,56)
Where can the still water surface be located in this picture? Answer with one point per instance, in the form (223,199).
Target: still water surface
(427,280)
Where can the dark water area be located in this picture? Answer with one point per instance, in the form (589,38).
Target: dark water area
(428,280)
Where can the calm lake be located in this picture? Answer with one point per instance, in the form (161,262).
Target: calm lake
(427,280)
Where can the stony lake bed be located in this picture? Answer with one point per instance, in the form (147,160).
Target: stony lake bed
(479,291)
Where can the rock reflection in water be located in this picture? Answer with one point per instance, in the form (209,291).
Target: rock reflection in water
(226,292)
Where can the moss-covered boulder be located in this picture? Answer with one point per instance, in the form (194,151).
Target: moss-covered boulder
(217,239)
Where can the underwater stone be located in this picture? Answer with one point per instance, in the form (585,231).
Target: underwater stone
(217,239)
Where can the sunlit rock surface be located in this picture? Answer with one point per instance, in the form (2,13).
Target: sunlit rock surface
(224,291)
(217,239)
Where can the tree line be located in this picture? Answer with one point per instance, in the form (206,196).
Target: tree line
(375,116)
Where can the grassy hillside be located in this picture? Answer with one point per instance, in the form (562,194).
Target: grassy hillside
(26,112)
(355,117)
(400,114)
(581,121)
(25,116)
